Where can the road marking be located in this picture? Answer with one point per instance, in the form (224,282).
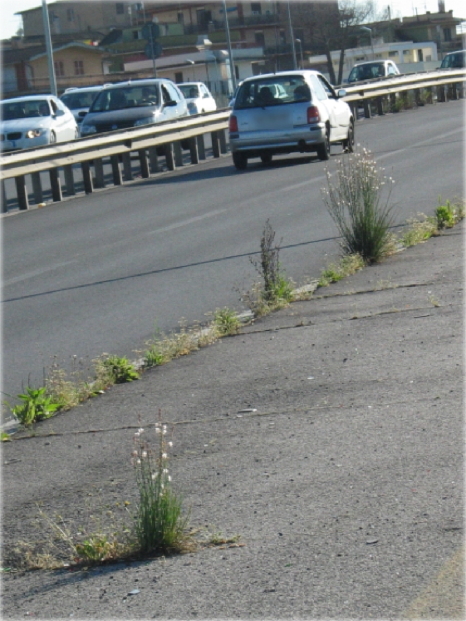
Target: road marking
(187,222)
(15,279)
(443,598)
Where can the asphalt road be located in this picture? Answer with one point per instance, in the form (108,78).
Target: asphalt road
(102,273)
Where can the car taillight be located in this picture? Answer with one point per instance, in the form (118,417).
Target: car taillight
(233,125)
(313,115)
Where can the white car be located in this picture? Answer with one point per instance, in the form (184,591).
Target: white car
(35,120)
(198,97)
(288,112)
(79,100)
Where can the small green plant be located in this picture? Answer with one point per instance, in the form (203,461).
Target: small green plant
(98,548)
(5,437)
(445,215)
(356,203)
(226,322)
(36,405)
(159,523)
(348,265)
(419,230)
(119,370)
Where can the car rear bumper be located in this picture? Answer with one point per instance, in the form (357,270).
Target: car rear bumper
(297,139)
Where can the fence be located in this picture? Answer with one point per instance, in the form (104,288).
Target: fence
(119,149)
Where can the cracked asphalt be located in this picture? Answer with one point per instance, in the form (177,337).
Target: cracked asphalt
(328,436)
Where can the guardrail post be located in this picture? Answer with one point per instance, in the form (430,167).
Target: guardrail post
(4,199)
(21,192)
(153,160)
(201,147)
(116,170)
(87,177)
(169,156)
(144,163)
(178,153)
(99,173)
(127,172)
(367,108)
(37,188)
(379,103)
(69,180)
(55,185)
(223,141)
(193,151)
(441,93)
(215,145)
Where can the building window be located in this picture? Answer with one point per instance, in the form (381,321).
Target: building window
(59,69)
(256,8)
(70,15)
(78,67)
(137,34)
(259,38)
(447,34)
(119,8)
(180,18)
(392,54)
(178,77)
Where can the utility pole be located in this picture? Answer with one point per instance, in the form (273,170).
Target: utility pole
(48,46)
(293,48)
(230,53)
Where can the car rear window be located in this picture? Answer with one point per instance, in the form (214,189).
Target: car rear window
(125,97)
(79,99)
(272,91)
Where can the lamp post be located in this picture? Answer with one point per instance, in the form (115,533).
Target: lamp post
(293,49)
(369,30)
(203,44)
(192,63)
(230,53)
(48,45)
(301,51)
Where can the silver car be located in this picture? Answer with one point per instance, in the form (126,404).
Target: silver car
(286,112)
(79,100)
(134,104)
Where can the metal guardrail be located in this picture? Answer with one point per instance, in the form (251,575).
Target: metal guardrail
(149,142)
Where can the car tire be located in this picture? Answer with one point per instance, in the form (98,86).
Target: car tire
(348,144)
(323,150)
(240,161)
(53,138)
(266,158)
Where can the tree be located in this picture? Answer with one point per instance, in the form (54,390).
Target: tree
(332,26)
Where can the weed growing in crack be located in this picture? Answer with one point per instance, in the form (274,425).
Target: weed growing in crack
(35,405)
(348,265)
(226,322)
(159,523)
(356,203)
(117,370)
(276,290)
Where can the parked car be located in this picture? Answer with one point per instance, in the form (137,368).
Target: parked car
(307,117)
(134,104)
(454,60)
(35,120)
(198,96)
(79,99)
(373,69)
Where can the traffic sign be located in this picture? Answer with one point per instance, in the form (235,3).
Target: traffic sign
(150,30)
(156,47)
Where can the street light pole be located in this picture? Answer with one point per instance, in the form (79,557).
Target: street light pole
(48,46)
(293,49)
(301,51)
(369,30)
(230,53)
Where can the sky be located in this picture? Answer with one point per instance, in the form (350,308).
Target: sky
(9,23)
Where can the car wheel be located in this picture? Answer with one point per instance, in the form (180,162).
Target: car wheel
(240,161)
(266,158)
(52,138)
(323,150)
(348,144)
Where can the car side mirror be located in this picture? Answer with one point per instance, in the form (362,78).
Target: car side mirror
(59,113)
(341,93)
(82,114)
(170,103)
